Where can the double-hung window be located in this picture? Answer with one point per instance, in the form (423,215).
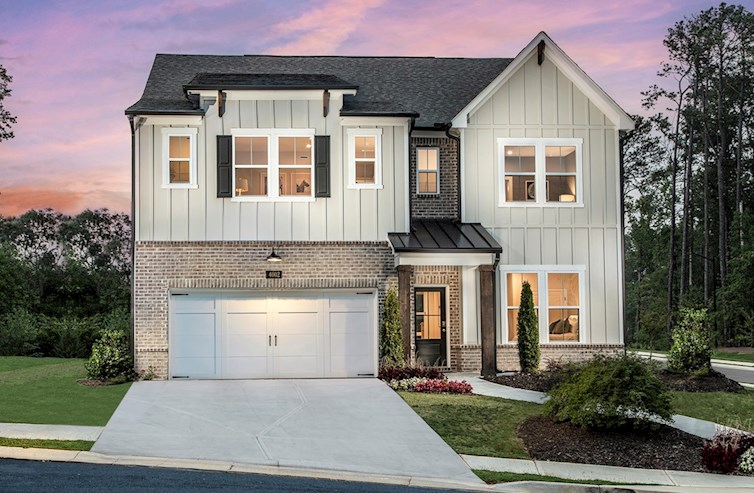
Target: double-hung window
(558,301)
(428,170)
(540,171)
(273,164)
(364,158)
(179,157)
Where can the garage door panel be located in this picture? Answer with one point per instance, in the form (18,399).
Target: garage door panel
(351,366)
(298,366)
(359,302)
(297,323)
(295,304)
(246,305)
(299,345)
(193,304)
(246,367)
(194,367)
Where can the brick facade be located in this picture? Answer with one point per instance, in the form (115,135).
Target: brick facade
(161,266)
(507,354)
(444,204)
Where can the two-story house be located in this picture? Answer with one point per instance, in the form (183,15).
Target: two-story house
(277,198)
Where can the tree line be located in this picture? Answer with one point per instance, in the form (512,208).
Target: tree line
(689,184)
(63,279)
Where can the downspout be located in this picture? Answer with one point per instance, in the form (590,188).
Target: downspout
(408,163)
(458,166)
(495,265)
(132,342)
(621,155)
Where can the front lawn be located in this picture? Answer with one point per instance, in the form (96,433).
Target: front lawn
(725,408)
(475,424)
(44,391)
(734,356)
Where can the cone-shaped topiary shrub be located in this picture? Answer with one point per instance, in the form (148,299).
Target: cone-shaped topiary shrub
(528,332)
(391,339)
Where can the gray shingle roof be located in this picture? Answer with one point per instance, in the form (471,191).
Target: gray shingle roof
(435,88)
(268,81)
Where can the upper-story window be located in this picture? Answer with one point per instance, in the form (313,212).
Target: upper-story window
(364,158)
(179,157)
(540,171)
(428,170)
(273,164)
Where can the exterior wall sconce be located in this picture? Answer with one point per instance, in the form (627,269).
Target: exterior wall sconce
(274,257)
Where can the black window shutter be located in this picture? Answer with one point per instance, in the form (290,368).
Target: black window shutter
(321,165)
(224,166)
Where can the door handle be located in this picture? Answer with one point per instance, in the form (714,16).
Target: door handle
(276,339)
(269,341)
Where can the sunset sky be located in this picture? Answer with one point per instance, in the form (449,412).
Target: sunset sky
(76,65)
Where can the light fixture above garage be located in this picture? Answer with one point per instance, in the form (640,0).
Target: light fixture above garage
(274,257)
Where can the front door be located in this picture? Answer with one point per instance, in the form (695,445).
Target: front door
(429,322)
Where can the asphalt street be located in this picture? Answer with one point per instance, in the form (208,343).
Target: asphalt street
(33,476)
(741,374)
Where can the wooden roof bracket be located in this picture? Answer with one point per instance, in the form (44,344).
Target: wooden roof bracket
(541,52)
(220,103)
(325,103)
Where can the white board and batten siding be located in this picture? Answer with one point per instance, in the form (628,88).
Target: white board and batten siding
(541,102)
(198,215)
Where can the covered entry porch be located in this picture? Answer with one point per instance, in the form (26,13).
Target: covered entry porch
(446,287)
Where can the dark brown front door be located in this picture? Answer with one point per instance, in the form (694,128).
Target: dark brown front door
(430,326)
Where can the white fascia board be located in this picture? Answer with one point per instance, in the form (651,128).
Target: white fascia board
(173,120)
(570,69)
(270,94)
(462,259)
(372,121)
(429,134)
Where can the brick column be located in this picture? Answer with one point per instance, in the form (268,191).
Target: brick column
(404,296)
(487,319)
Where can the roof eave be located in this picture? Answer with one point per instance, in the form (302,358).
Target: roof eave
(282,87)
(407,114)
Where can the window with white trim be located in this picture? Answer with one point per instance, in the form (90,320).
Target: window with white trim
(364,158)
(179,157)
(540,171)
(558,300)
(428,170)
(273,164)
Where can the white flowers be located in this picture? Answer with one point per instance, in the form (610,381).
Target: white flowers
(746,462)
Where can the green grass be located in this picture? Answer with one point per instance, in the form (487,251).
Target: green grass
(44,391)
(493,477)
(58,444)
(724,355)
(725,408)
(475,424)
(745,357)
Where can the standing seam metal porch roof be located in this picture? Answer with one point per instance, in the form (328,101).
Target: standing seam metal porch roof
(444,236)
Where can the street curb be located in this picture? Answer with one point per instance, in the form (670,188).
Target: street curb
(83,457)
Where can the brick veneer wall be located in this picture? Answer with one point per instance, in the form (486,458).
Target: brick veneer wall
(449,276)
(161,266)
(445,204)
(507,354)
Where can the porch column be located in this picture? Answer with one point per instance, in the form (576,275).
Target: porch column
(487,319)
(405,272)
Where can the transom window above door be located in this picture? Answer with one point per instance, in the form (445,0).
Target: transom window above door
(273,164)
(540,172)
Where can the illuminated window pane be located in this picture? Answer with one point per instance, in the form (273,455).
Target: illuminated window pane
(563,289)
(251,182)
(364,147)
(180,147)
(563,324)
(295,182)
(519,159)
(515,281)
(560,159)
(520,188)
(364,171)
(561,188)
(180,171)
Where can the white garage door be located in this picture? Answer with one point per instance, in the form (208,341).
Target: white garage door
(266,335)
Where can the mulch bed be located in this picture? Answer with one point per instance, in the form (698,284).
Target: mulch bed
(712,382)
(665,448)
(541,382)
(546,380)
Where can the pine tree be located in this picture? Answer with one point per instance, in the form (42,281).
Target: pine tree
(391,339)
(528,332)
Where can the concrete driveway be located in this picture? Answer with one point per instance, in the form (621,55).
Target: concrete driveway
(357,425)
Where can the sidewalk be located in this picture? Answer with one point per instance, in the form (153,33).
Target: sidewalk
(698,427)
(50,432)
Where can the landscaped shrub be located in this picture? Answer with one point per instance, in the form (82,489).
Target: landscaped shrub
(388,373)
(722,453)
(528,332)
(746,462)
(436,386)
(691,350)
(111,357)
(611,392)
(18,333)
(67,337)
(407,384)
(391,338)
